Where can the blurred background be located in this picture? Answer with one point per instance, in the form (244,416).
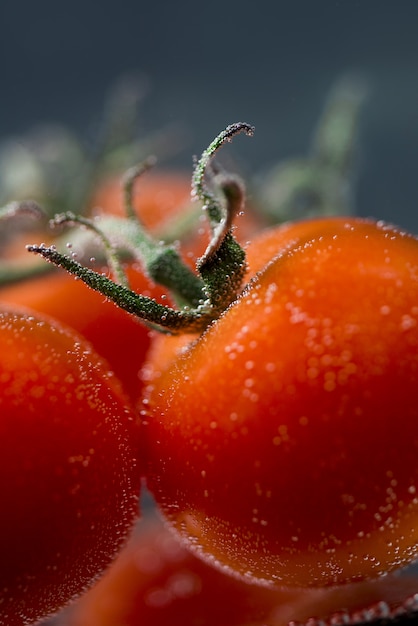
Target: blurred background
(202,66)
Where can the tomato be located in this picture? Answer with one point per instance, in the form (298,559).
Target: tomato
(69,466)
(117,336)
(158,197)
(276,241)
(156,581)
(282,443)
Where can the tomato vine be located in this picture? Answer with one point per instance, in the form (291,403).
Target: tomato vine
(220,271)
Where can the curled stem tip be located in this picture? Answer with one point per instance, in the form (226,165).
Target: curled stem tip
(220,218)
(199,189)
(22,207)
(234,193)
(128,182)
(111,255)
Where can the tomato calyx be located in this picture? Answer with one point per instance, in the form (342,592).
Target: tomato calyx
(202,295)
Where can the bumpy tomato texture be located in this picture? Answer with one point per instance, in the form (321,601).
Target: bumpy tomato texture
(284,443)
(69,477)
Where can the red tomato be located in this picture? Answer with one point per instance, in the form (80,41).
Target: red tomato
(117,336)
(271,242)
(283,443)
(70,473)
(158,197)
(156,581)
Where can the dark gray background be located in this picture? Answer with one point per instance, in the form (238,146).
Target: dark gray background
(209,64)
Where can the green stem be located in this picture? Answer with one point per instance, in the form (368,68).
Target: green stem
(233,193)
(111,254)
(24,207)
(129,180)
(161,262)
(199,188)
(220,271)
(222,267)
(145,308)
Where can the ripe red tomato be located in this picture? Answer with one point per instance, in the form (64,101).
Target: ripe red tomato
(69,466)
(283,443)
(156,581)
(117,336)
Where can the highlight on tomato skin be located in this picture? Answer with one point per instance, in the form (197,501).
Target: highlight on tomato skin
(70,466)
(282,445)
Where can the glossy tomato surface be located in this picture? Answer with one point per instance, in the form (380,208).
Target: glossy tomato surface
(70,470)
(283,443)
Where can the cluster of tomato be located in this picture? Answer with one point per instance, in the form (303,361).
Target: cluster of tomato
(280,443)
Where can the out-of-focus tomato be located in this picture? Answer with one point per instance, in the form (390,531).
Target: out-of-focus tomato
(158,197)
(120,338)
(156,581)
(69,466)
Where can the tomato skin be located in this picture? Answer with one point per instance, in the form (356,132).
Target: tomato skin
(283,443)
(70,472)
(117,336)
(157,581)
(158,197)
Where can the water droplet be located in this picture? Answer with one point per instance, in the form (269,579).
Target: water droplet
(407,322)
